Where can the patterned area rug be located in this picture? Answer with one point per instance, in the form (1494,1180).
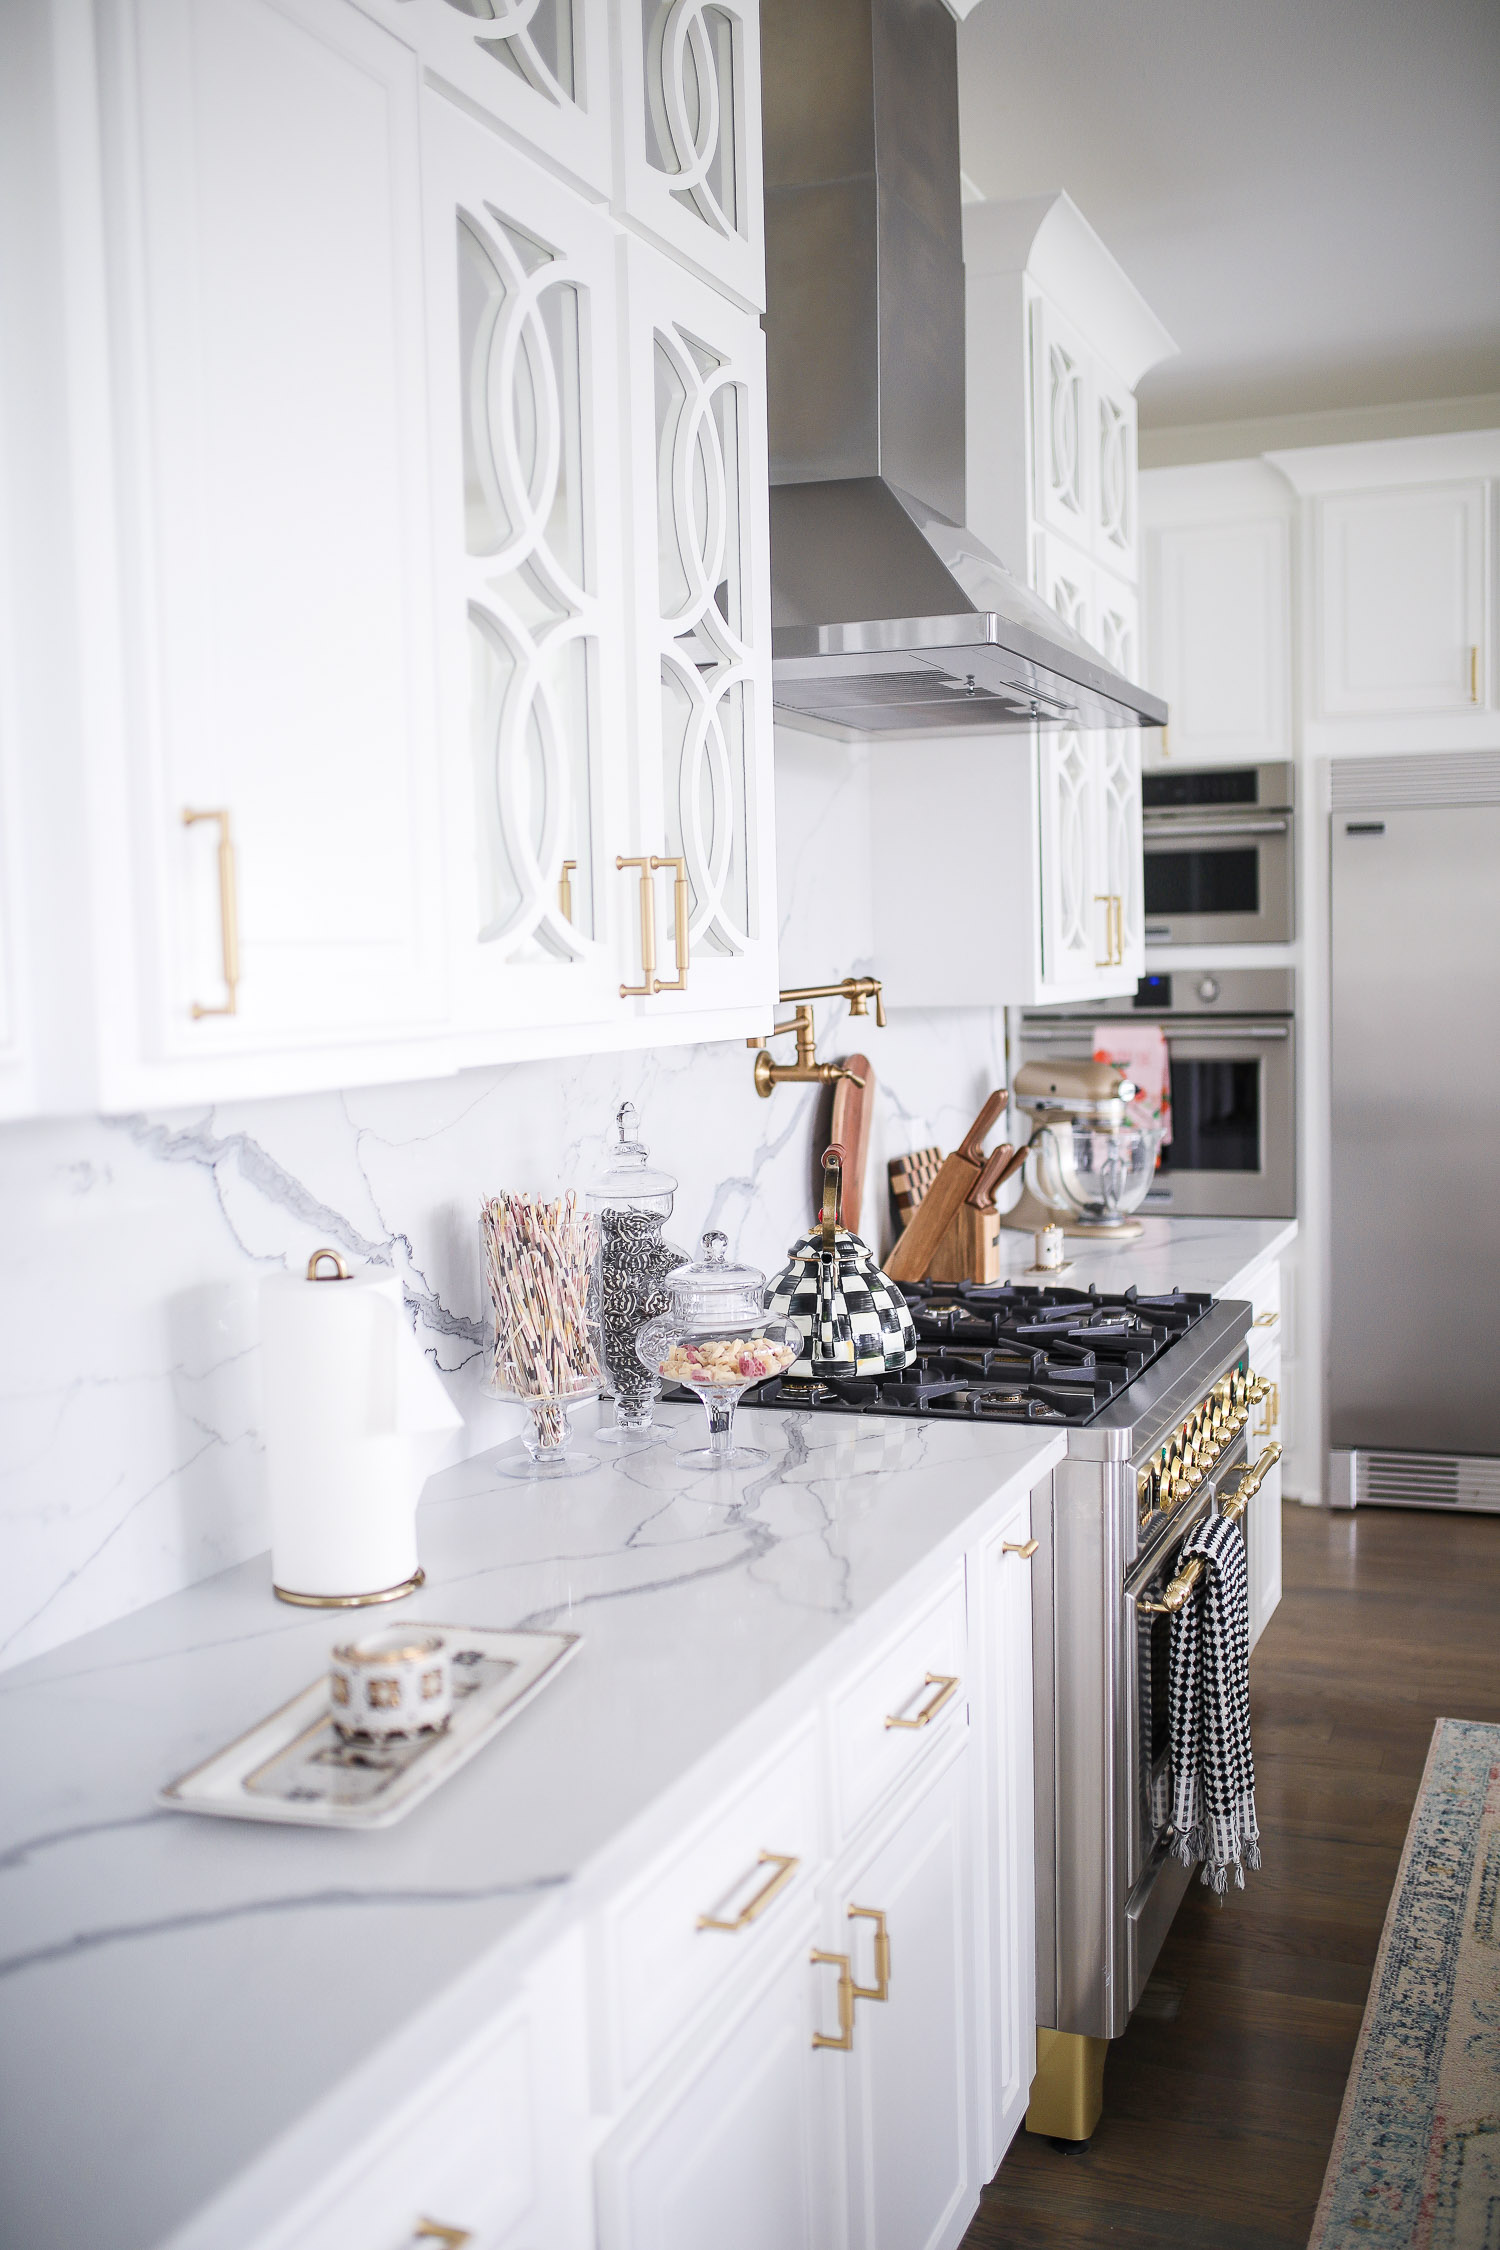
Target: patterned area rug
(1416,2159)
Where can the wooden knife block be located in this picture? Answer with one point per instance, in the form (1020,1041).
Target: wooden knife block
(970,1248)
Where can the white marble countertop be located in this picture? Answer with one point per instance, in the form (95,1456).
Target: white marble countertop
(1215,1255)
(177,1992)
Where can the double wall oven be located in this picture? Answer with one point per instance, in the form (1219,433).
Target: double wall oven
(1231,1045)
(1218,856)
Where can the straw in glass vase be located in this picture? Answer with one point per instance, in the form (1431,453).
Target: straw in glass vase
(538,1259)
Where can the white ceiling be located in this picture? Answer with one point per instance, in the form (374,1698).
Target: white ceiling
(1307,192)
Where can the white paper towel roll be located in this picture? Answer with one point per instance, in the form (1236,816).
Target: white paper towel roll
(354,1415)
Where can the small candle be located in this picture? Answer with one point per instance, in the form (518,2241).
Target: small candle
(1049,1248)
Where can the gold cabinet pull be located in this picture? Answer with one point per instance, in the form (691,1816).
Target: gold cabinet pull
(881,1988)
(1265,1320)
(783,1867)
(648,865)
(431,2230)
(679,922)
(1025,1548)
(229,913)
(845,2039)
(1119,930)
(565,889)
(1106,900)
(946,1684)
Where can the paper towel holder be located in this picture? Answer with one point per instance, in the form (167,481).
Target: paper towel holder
(340,1270)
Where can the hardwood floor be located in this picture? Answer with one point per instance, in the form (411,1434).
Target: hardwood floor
(1220,2101)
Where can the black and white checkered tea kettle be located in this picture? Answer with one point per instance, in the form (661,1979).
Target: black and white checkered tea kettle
(852,1317)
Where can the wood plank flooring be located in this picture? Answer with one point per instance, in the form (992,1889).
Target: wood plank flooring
(1221,2099)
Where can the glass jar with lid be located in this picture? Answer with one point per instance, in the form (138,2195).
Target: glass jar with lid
(631,1203)
(717,1338)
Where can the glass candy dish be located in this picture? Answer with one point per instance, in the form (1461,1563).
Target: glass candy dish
(630,1203)
(717,1339)
(549,1436)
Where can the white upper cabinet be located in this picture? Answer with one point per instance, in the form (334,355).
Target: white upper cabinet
(1064,468)
(1092,915)
(1400,591)
(1218,603)
(264,200)
(689,114)
(542,67)
(530,544)
(701,645)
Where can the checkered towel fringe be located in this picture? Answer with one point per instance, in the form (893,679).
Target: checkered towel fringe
(1213,1771)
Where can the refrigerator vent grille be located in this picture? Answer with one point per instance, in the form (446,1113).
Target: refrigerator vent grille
(1454,777)
(1426,1480)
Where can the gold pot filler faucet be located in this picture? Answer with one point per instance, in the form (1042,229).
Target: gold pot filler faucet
(807,1070)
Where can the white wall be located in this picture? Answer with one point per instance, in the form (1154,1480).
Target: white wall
(130,1457)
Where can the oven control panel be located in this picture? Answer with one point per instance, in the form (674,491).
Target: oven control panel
(1179,1466)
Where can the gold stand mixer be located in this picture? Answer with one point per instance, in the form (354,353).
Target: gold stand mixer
(1090,1159)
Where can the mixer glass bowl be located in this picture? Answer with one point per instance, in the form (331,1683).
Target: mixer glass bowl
(1104,1171)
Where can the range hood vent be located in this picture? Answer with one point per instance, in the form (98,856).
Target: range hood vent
(888,615)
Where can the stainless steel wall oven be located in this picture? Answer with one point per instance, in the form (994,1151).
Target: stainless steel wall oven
(1218,855)
(1231,1040)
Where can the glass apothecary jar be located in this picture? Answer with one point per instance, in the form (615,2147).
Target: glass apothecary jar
(630,1203)
(717,1338)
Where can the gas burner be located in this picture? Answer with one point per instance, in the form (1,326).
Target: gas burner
(998,1352)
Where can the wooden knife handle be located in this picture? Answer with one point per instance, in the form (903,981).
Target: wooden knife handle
(972,1144)
(998,1168)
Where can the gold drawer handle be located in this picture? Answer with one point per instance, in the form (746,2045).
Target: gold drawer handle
(1025,1548)
(430,2230)
(1265,1320)
(229,914)
(881,1988)
(946,1684)
(784,1868)
(845,2039)
(648,865)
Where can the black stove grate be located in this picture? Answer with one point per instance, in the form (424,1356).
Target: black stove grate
(1005,1353)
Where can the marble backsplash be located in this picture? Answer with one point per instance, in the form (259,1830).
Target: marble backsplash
(130,1456)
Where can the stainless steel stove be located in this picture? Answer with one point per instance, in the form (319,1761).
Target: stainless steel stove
(1155,1393)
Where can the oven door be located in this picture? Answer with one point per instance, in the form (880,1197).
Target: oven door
(1233,1151)
(1218,880)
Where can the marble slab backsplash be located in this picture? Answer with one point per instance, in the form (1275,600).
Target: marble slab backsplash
(130,1451)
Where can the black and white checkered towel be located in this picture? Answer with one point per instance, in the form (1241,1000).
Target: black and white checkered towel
(1213,1771)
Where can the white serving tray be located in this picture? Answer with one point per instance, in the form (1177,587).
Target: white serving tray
(294,1766)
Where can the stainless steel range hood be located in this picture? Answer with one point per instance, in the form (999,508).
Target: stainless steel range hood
(888,616)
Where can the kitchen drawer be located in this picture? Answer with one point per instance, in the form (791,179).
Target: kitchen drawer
(912,1694)
(1264,1293)
(458,2158)
(688,1928)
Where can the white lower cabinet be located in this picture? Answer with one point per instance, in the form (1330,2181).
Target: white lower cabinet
(903,2128)
(1006,1812)
(1263,1517)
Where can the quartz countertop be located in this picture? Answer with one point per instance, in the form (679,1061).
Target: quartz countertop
(1213,1255)
(179,1995)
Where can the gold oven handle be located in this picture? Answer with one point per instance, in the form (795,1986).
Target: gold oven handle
(845,2039)
(1179,1589)
(783,1867)
(881,1988)
(229,913)
(946,1684)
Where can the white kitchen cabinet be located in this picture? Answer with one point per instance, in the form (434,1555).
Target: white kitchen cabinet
(701,649)
(1401,600)
(533,621)
(690,148)
(1063,467)
(543,70)
(1219,618)
(262,193)
(901,1912)
(1263,1517)
(1005,1809)
(731,2150)
(1093,927)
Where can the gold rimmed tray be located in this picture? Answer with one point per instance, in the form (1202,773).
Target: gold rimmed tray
(294,1766)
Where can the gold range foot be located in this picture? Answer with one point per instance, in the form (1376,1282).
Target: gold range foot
(1067,2093)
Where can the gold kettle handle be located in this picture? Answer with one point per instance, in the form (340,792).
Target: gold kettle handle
(833,1192)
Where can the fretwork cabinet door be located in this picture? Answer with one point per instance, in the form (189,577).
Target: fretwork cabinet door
(262,197)
(688,107)
(1074,918)
(701,647)
(1122,871)
(542,67)
(531,561)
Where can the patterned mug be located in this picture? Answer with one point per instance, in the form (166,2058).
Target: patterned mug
(391,1685)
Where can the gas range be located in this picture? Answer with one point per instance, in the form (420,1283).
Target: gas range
(999,1352)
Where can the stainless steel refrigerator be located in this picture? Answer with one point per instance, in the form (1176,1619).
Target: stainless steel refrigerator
(1414,1332)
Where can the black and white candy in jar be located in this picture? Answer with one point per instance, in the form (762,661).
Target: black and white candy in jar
(631,1204)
